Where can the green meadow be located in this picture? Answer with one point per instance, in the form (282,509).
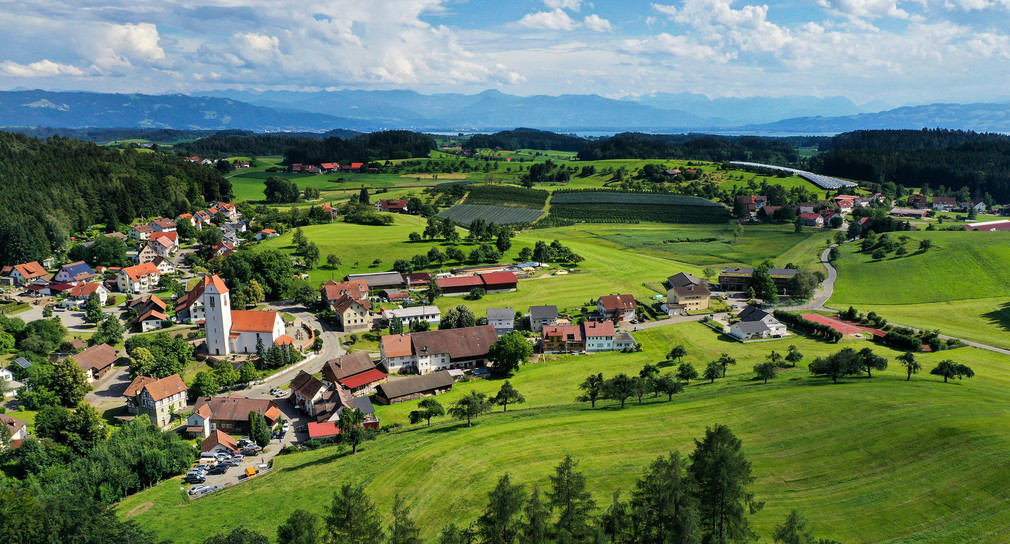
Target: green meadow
(866,460)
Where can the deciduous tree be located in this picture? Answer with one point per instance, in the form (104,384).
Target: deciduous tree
(426,409)
(908,361)
(593,389)
(950,369)
(469,407)
(508,395)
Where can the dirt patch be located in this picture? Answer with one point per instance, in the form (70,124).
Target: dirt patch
(139,509)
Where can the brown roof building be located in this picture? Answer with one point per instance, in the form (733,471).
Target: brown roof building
(158,399)
(230,414)
(412,388)
(97,360)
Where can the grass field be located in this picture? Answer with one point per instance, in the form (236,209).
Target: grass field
(867,450)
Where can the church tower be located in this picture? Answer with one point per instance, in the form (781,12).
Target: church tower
(217,305)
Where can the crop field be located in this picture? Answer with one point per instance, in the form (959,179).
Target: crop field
(507,195)
(908,470)
(503,215)
(624,207)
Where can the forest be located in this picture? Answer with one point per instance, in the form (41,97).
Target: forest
(634,145)
(392,144)
(58,187)
(937,160)
(525,138)
(229,143)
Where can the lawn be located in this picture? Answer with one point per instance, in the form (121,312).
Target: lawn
(917,461)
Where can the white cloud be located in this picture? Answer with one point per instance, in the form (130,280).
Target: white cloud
(549,20)
(573,5)
(597,23)
(678,46)
(865,9)
(112,46)
(42,68)
(260,42)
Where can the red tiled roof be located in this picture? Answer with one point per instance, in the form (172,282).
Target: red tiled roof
(236,407)
(143,228)
(618,302)
(322,430)
(137,384)
(810,216)
(563,331)
(460,281)
(498,278)
(364,378)
(96,357)
(146,269)
(599,328)
(356,289)
(163,388)
(84,289)
(173,236)
(30,270)
(253,321)
(218,438)
(396,345)
(283,340)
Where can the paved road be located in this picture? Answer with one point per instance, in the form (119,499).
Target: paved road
(825,289)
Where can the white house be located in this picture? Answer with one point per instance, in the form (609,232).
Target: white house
(502,319)
(17,429)
(266,234)
(749,330)
(599,335)
(79,271)
(82,291)
(430,351)
(408,316)
(138,279)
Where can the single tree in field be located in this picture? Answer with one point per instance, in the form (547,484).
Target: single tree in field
(949,369)
(592,388)
(869,361)
(573,503)
(925,245)
(619,388)
(662,509)
(721,475)
(301,527)
(775,357)
(351,518)
(649,373)
(908,361)
(724,361)
(712,371)
(501,522)
(352,428)
(686,372)
(403,530)
(836,365)
(333,261)
(469,407)
(668,385)
(678,353)
(508,395)
(426,409)
(793,356)
(765,371)
(639,387)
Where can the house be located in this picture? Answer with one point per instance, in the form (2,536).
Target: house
(163,224)
(138,279)
(79,271)
(416,387)
(117,235)
(222,249)
(229,209)
(332,291)
(355,371)
(563,339)
(845,203)
(233,331)
(408,316)
(829,214)
(865,222)
(218,442)
(189,307)
(157,399)
(917,201)
(163,265)
(395,296)
(429,351)
(617,307)
(682,279)
(351,315)
(811,220)
(146,254)
(188,217)
(491,282)
(229,414)
(6,374)
(329,166)
(749,330)
(141,233)
(307,391)
(692,298)
(266,234)
(623,340)
(150,320)
(393,205)
(17,430)
(23,273)
(165,243)
(378,280)
(752,202)
(83,291)
(502,319)
(735,278)
(96,361)
(599,335)
(543,316)
(944,203)
(976,205)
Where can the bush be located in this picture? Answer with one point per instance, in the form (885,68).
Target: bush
(313,444)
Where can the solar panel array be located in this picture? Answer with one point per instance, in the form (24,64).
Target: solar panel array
(824,182)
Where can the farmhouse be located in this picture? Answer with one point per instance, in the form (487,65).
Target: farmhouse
(393,206)
(543,316)
(332,291)
(308,393)
(426,352)
(138,279)
(378,280)
(944,203)
(83,291)
(752,202)
(735,278)
(23,273)
(416,387)
(617,307)
(491,282)
(79,271)
(230,414)
(219,441)
(917,201)
(96,361)
(502,319)
(355,371)
(585,338)
(408,316)
(811,220)
(351,315)
(157,399)
(691,298)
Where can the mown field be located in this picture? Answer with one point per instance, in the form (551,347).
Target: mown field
(880,460)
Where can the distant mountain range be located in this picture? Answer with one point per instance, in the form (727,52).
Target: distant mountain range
(488,111)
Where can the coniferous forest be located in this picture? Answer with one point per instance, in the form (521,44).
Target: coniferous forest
(58,187)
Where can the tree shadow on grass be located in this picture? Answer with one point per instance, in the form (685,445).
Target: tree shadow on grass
(999,317)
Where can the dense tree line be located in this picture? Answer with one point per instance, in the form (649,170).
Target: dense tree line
(948,159)
(229,143)
(630,145)
(59,187)
(799,323)
(392,144)
(525,138)
(106,135)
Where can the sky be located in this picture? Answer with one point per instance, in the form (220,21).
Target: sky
(892,51)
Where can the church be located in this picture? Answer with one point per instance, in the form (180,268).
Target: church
(235,331)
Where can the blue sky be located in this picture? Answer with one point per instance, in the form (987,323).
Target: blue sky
(890,50)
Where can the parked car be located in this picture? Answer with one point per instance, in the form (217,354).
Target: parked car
(286,426)
(237,458)
(220,469)
(199,489)
(195,479)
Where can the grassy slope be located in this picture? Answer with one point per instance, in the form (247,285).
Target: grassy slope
(915,461)
(931,289)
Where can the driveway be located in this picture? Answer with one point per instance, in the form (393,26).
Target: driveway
(108,390)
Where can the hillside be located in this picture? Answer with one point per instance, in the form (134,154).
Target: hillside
(979,117)
(808,450)
(177,111)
